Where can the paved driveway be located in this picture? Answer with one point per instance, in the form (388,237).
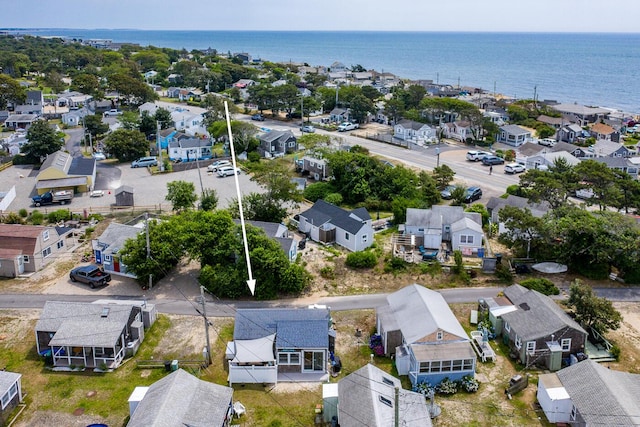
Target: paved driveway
(148,190)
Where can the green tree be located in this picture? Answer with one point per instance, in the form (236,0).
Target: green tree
(361,107)
(43,140)
(318,190)
(94,125)
(482,210)
(601,181)
(163,116)
(126,145)
(209,199)
(10,91)
(181,194)
(147,124)
(443,175)
(129,120)
(394,109)
(525,233)
(592,311)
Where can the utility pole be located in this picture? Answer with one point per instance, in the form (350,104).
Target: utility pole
(206,326)
(160,163)
(396,407)
(146,226)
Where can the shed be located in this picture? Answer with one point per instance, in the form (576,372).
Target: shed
(124,196)
(329,401)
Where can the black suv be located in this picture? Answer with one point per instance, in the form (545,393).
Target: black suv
(473,193)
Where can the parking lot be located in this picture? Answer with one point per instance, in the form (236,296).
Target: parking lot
(148,190)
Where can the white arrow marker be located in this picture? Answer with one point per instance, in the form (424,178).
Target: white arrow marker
(251,282)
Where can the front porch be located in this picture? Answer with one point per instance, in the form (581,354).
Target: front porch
(89,357)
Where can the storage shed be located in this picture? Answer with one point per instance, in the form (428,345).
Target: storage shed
(124,196)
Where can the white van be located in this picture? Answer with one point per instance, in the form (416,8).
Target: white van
(547,142)
(227,171)
(144,162)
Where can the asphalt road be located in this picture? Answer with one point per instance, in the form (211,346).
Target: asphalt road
(222,308)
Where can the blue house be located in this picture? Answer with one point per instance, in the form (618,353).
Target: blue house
(418,327)
(107,246)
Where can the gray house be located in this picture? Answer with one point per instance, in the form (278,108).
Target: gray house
(539,332)
(366,398)
(432,227)
(10,394)
(513,135)
(180,399)
(96,336)
(124,195)
(418,327)
(277,143)
(588,394)
(106,248)
(271,345)
(190,149)
(327,223)
(494,205)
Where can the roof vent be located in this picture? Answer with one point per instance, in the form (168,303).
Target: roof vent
(525,306)
(105,312)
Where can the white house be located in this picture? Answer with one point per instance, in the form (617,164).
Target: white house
(408,130)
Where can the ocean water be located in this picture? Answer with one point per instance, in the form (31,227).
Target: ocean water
(590,69)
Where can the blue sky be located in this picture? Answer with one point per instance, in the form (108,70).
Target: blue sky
(330,15)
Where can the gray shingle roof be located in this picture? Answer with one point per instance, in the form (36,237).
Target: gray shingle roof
(514,130)
(7,379)
(277,135)
(602,396)
(82,166)
(539,318)
(179,400)
(294,328)
(81,324)
(322,212)
(420,312)
(367,399)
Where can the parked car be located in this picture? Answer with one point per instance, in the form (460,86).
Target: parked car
(98,155)
(307,129)
(50,197)
(258,117)
(473,194)
(112,113)
(547,142)
(476,156)
(447,193)
(144,162)
(514,168)
(228,171)
(91,275)
(213,167)
(492,160)
(347,126)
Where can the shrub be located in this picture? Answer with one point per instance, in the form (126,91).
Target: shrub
(431,268)
(375,344)
(504,273)
(12,218)
(328,272)
(424,388)
(59,215)
(366,259)
(37,218)
(394,264)
(615,352)
(23,213)
(447,386)
(333,198)
(253,157)
(542,285)
(469,384)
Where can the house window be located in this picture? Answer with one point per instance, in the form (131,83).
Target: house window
(574,413)
(424,367)
(365,238)
(456,365)
(466,239)
(25,259)
(60,244)
(312,164)
(46,252)
(435,367)
(45,235)
(531,346)
(107,258)
(292,144)
(467,365)
(439,335)
(346,236)
(507,327)
(518,342)
(446,366)
(288,358)
(566,344)
(314,361)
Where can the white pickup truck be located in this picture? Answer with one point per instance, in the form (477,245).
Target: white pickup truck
(347,126)
(112,113)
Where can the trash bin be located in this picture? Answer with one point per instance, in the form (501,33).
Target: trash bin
(174,365)
(167,365)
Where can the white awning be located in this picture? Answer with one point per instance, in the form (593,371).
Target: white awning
(255,351)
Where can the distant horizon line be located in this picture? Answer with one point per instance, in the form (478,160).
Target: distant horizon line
(322,31)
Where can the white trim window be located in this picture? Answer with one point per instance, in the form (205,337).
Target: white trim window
(531,346)
(518,342)
(507,327)
(574,413)
(439,336)
(346,236)
(468,239)
(60,244)
(288,358)
(26,259)
(46,252)
(45,235)
(565,343)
